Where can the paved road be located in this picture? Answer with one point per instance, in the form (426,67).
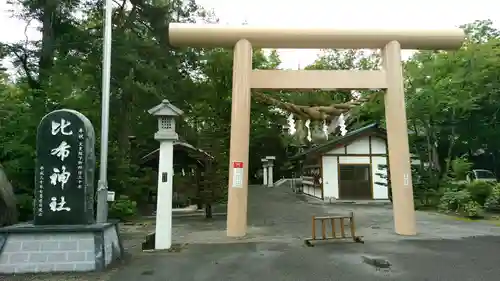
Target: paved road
(446,249)
(471,259)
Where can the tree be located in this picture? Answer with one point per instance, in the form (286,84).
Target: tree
(452,102)
(62,70)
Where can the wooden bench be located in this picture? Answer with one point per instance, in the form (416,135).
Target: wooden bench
(335,234)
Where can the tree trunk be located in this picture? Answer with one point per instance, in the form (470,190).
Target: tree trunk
(8,210)
(48,40)
(199,187)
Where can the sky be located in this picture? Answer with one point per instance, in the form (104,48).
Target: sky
(426,14)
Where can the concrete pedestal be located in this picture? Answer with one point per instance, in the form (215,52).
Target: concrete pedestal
(25,248)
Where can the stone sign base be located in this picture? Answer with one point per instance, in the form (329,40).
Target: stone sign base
(25,248)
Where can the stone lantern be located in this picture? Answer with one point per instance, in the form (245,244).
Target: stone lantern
(166,135)
(166,113)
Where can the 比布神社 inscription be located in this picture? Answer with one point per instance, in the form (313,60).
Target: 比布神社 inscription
(64,192)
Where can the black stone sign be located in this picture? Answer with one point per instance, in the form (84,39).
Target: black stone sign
(64,176)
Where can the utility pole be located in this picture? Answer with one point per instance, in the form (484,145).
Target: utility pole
(102,185)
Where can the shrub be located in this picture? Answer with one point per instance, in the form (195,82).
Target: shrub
(480,191)
(472,209)
(451,186)
(460,167)
(123,208)
(452,200)
(460,202)
(492,203)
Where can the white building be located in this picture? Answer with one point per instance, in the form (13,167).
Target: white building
(351,167)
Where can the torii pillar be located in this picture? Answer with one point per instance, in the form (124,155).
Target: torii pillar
(390,78)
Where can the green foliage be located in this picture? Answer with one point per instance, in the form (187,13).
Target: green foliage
(460,202)
(492,203)
(472,209)
(185,189)
(123,208)
(142,181)
(25,206)
(480,191)
(62,70)
(469,200)
(426,188)
(460,167)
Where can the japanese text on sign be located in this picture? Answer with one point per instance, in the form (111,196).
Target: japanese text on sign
(39,207)
(80,158)
(237,174)
(60,175)
(64,193)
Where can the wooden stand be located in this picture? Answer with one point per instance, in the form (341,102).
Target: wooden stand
(335,235)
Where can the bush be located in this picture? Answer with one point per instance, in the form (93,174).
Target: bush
(123,208)
(460,167)
(451,186)
(480,191)
(460,202)
(472,209)
(452,200)
(492,203)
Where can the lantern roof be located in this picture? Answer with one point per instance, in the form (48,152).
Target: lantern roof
(165,108)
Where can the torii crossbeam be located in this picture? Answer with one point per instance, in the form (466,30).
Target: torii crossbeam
(390,78)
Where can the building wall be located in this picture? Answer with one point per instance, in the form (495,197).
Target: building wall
(361,146)
(365,150)
(311,178)
(380,190)
(330,176)
(378,145)
(312,190)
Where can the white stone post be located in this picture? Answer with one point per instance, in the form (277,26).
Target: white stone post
(163,235)
(166,135)
(264,172)
(270,181)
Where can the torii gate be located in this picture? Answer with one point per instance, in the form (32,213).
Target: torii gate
(390,77)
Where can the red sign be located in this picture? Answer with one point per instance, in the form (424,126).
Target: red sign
(238,165)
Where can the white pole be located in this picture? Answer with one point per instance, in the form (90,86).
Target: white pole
(163,234)
(264,175)
(102,189)
(270,181)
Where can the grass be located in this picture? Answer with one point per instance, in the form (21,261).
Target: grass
(493,218)
(489,218)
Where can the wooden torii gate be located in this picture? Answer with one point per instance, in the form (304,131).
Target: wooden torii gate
(390,77)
